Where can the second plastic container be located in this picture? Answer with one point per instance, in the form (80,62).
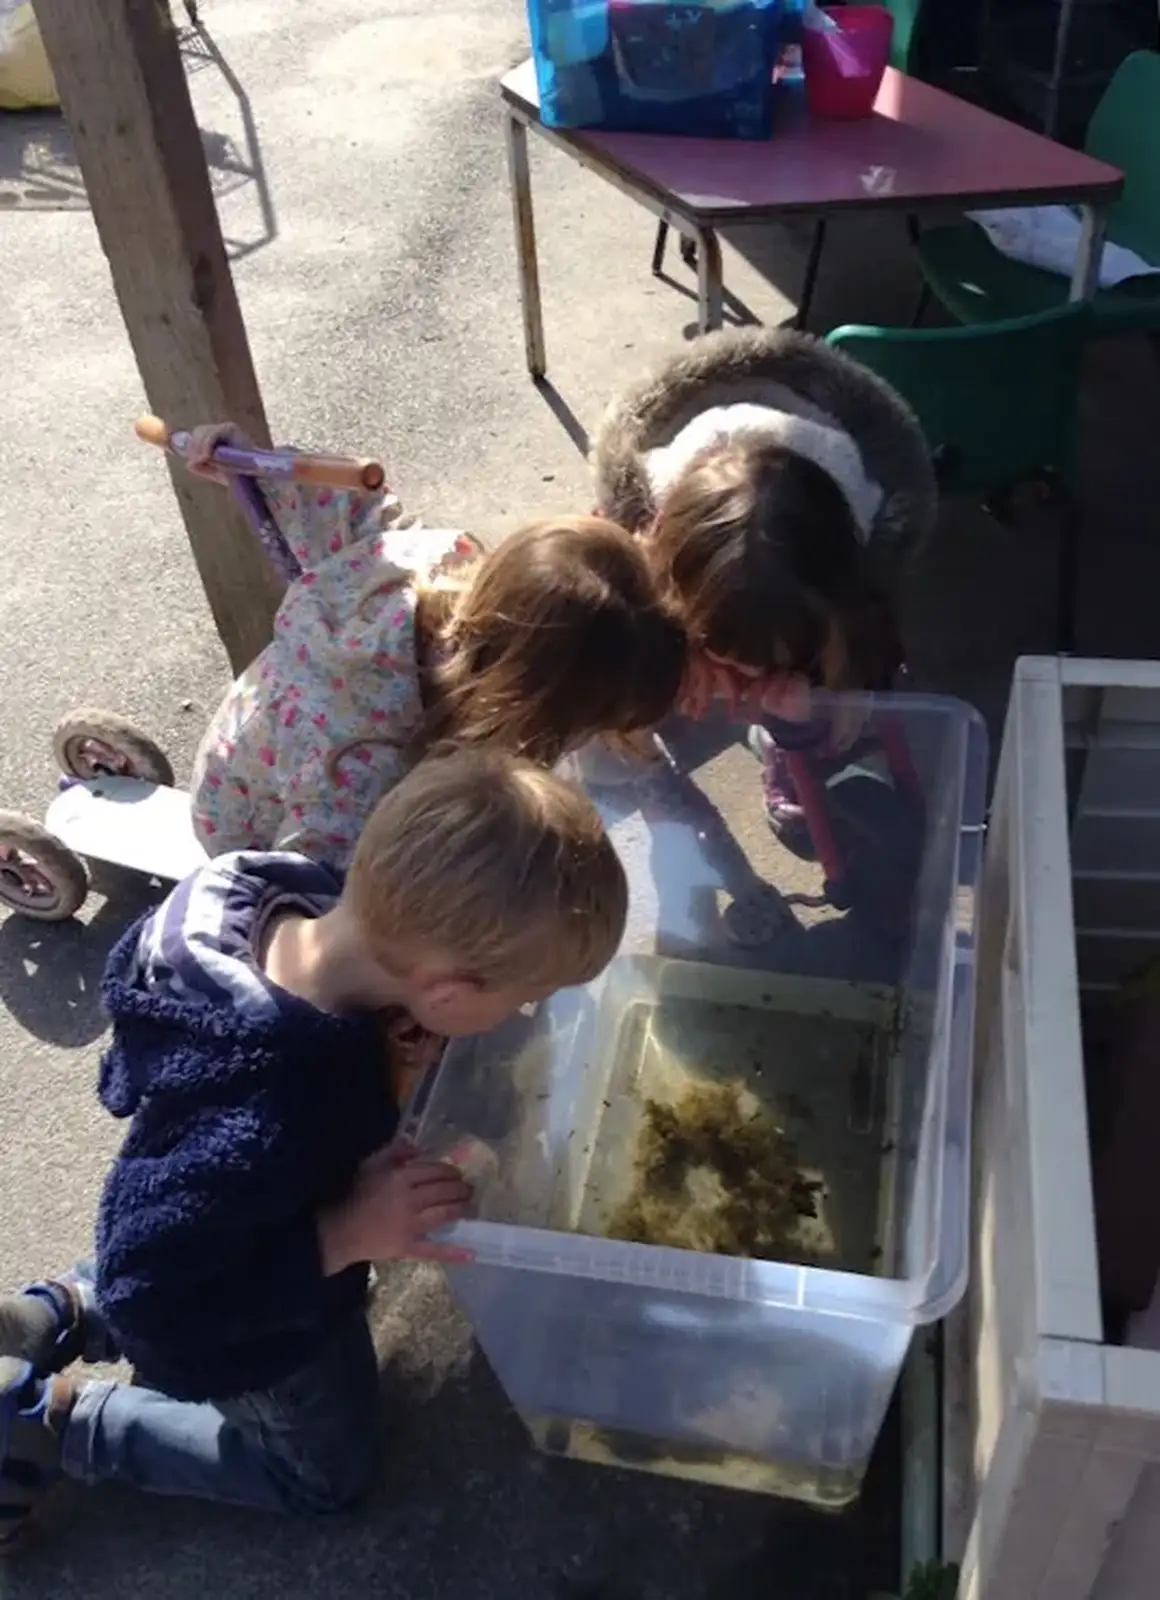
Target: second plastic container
(844,70)
(741,1003)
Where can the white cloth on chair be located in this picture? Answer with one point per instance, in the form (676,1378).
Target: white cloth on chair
(1049,237)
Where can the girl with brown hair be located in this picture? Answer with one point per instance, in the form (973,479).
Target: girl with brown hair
(779,488)
(396,640)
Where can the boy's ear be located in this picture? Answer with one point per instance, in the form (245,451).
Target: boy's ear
(439,994)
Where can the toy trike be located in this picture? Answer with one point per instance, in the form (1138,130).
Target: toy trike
(117,799)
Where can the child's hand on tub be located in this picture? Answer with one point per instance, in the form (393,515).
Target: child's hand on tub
(788,696)
(399,1198)
(477,1161)
(411,1050)
(711,680)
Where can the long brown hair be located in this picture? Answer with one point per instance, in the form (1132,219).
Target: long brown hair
(560,635)
(759,549)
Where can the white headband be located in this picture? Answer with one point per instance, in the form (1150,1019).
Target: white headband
(830,448)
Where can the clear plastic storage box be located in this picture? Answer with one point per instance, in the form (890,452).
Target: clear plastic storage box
(757,1071)
(699,67)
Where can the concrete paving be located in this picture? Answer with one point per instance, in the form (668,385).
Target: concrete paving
(356,151)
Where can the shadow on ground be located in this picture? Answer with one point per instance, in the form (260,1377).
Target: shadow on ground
(50,974)
(39,170)
(234,163)
(467,1511)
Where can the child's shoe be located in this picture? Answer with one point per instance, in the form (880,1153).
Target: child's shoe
(782,810)
(33,1413)
(44,1325)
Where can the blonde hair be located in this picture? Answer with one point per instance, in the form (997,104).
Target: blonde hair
(492,863)
(758,549)
(560,634)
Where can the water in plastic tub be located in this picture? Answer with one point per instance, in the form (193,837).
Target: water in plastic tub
(718,1189)
(700,67)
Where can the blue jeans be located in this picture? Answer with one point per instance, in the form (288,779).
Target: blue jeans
(308,1444)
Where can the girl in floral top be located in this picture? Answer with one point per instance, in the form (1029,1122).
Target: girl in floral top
(396,638)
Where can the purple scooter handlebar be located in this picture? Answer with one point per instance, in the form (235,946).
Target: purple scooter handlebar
(335,472)
(244,465)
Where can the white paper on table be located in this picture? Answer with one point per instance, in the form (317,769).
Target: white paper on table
(1049,236)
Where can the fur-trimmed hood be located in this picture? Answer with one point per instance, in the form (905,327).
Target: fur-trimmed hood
(785,371)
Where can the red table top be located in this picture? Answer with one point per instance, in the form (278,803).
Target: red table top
(920,147)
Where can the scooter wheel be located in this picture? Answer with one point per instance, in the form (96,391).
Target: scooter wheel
(100,744)
(40,877)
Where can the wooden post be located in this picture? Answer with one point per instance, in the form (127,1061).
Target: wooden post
(122,86)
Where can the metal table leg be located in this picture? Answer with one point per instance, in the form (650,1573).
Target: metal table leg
(813,262)
(519,177)
(710,289)
(662,239)
(1085,277)
(1058,65)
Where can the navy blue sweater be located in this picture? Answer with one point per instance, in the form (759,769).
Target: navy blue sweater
(251,1110)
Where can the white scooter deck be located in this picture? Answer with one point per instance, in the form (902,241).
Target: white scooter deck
(146,827)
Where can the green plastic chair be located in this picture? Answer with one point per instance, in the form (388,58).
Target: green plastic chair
(977,283)
(903,50)
(997,403)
